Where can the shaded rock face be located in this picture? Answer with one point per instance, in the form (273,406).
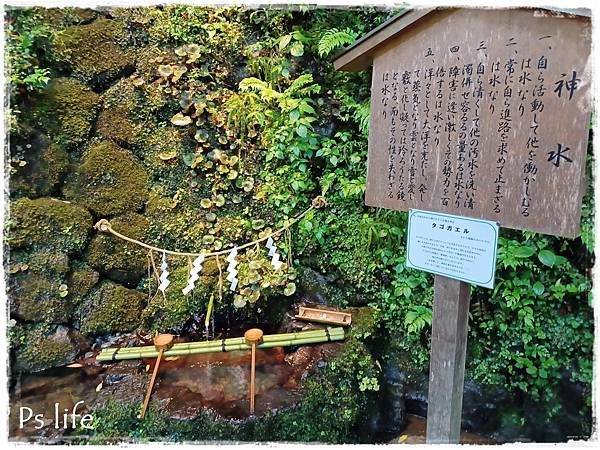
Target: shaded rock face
(321,289)
(38,166)
(491,411)
(392,401)
(111,308)
(42,346)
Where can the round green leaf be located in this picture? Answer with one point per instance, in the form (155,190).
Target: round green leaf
(289,289)
(524,251)
(297,49)
(547,258)
(302,131)
(538,288)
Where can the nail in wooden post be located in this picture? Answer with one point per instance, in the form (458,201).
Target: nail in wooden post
(447,364)
(253,337)
(162,342)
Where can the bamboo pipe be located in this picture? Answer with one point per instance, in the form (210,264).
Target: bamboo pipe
(253,337)
(238,340)
(233,344)
(162,342)
(227,348)
(151,353)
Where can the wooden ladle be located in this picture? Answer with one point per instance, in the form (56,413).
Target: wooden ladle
(253,337)
(162,343)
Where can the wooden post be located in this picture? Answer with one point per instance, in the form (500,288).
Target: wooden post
(447,364)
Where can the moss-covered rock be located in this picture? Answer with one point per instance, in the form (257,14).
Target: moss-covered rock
(163,152)
(364,322)
(37,298)
(47,223)
(175,223)
(37,166)
(111,308)
(63,17)
(66,109)
(118,260)
(81,279)
(109,181)
(171,312)
(95,52)
(41,346)
(115,125)
(141,103)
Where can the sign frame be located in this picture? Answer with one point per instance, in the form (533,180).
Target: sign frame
(490,283)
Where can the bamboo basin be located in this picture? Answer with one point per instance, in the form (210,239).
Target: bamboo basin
(224,345)
(324,316)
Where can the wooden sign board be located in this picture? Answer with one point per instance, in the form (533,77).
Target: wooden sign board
(483,113)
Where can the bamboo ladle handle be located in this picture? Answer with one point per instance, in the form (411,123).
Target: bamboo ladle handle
(253,337)
(162,342)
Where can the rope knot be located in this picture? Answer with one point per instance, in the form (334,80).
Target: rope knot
(102,225)
(319,202)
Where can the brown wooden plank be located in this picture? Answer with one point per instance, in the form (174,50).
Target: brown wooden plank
(518,172)
(447,363)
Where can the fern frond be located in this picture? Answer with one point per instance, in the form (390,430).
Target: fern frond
(253,84)
(362,116)
(333,39)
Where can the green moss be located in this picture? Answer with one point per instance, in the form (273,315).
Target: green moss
(109,181)
(47,262)
(364,322)
(175,223)
(66,110)
(162,151)
(81,279)
(94,52)
(171,312)
(115,125)
(47,223)
(138,102)
(63,17)
(118,260)
(37,287)
(36,298)
(334,403)
(117,421)
(41,346)
(111,308)
(37,166)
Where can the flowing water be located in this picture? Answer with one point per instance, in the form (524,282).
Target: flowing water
(217,381)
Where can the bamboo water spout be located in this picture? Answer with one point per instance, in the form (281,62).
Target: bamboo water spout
(253,337)
(162,342)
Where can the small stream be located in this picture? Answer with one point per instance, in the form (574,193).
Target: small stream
(185,385)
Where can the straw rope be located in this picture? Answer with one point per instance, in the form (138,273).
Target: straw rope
(105,226)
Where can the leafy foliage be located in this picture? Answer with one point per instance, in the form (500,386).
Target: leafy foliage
(334,38)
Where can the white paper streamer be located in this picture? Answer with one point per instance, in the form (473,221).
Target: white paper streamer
(164,275)
(231,269)
(274,254)
(194,274)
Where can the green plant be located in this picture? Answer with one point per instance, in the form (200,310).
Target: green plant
(334,38)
